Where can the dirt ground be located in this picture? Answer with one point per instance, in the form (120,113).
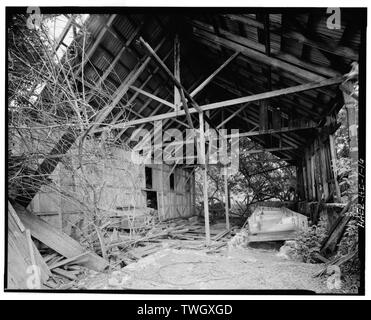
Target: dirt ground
(239,268)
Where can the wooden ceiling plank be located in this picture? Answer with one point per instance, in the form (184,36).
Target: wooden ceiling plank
(328,46)
(123,88)
(96,43)
(260,57)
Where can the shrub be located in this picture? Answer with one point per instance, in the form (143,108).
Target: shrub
(309,242)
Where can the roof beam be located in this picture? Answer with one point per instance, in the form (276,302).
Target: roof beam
(329,46)
(95,45)
(213,75)
(177,100)
(152,96)
(271,131)
(232,102)
(183,91)
(275,93)
(259,56)
(231,116)
(124,87)
(131,100)
(269,150)
(118,56)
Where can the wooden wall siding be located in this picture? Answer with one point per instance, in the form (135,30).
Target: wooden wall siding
(318,177)
(123,191)
(177,202)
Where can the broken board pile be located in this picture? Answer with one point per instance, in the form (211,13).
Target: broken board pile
(28,269)
(177,233)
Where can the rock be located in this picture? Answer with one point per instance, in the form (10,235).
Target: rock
(288,250)
(240,240)
(117,279)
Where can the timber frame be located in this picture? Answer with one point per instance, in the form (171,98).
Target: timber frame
(273,74)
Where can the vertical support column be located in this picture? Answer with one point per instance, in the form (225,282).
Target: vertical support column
(205,184)
(193,192)
(309,173)
(60,204)
(353,139)
(323,162)
(299,182)
(334,166)
(226,200)
(177,99)
(313,181)
(263,115)
(162,191)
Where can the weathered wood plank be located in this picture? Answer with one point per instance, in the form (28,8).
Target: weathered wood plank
(259,56)
(232,102)
(152,96)
(20,274)
(57,240)
(214,74)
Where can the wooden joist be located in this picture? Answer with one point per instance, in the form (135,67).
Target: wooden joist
(213,75)
(274,93)
(279,29)
(232,102)
(132,99)
(97,41)
(177,100)
(183,92)
(118,57)
(124,87)
(152,96)
(235,113)
(271,131)
(258,56)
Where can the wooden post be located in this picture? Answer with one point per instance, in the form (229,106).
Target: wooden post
(60,200)
(263,115)
(205,184)
(353,139)
(193,192)
(300,189)
(309,174)
(305,182)
(177,101)
(323,163)
(162,192)
(312,177)
(227,225)
(334,166)
(226,200)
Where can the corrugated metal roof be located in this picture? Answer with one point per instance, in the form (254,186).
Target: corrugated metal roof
(292,38)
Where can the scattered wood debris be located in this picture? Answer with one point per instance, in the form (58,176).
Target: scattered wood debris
(26,267)
(178,233)
(57,240)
